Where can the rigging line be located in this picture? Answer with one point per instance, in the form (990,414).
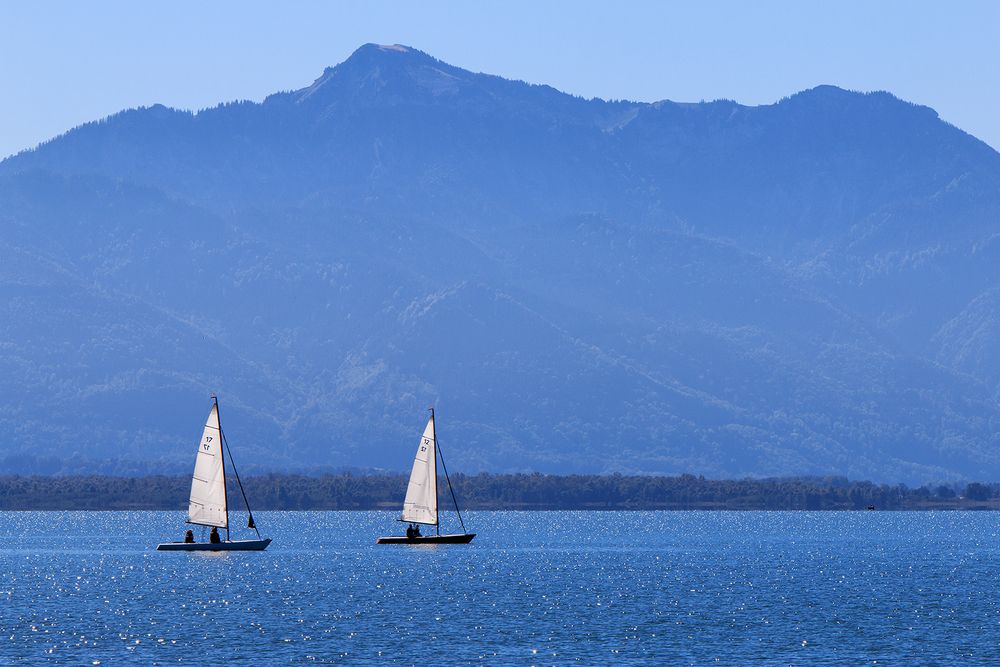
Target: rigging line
(447,477)
(253,524)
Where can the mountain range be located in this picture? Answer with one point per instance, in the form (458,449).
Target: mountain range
(810,287)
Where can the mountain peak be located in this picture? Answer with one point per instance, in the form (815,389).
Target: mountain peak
(833,96)
(381,70)
(370,54)
(398,48)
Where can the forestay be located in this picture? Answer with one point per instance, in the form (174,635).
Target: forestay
(420,505)
(208,486)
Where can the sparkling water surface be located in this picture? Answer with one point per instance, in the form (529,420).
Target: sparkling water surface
(650,588)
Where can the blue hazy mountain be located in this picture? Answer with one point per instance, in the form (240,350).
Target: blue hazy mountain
(807,287)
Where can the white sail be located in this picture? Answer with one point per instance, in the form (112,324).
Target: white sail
(208,485)
(420,505)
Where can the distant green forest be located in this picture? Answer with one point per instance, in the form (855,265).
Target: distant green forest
(495,492)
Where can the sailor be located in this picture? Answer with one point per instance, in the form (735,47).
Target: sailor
(189,537)
(416,530)
(409,532)
(213,537)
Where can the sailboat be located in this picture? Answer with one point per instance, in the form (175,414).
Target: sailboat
(209,503)
(421,503)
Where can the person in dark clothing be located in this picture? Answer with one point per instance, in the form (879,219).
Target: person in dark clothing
(189,537)
(213,537)
(409,532)
(416,530)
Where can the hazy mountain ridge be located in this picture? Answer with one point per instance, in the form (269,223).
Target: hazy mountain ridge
(580,285)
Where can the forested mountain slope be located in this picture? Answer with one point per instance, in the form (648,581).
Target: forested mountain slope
(808,287)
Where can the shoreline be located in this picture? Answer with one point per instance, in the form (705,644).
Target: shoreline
(990,508)
(514,492)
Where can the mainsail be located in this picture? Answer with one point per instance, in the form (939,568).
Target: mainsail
(420,505)
(208,485)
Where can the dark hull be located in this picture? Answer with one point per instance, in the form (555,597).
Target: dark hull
(235,545)
(464,538)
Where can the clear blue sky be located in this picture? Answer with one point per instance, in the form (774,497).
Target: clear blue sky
(64,63)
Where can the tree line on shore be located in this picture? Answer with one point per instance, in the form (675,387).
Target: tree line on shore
(486,491)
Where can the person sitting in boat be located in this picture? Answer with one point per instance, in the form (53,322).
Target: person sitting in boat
(416,530)
(189,537)
(213,537)
(409,532)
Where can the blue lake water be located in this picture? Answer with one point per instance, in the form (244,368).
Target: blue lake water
(795,588)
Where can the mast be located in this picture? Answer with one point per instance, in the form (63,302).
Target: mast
(225,491)
(437,503)
(251,523)
(437,449)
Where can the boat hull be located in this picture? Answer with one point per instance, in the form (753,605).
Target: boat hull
(234,545)
(463,538)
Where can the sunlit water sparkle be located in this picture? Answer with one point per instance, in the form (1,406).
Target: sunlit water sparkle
(728,588)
